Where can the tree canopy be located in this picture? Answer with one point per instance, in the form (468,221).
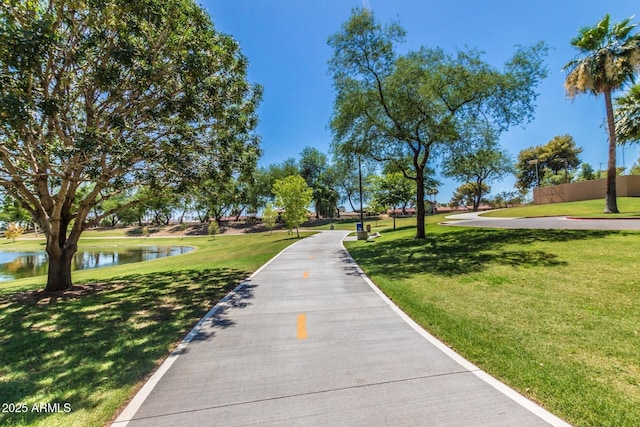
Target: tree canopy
(322,178)
(551,158)
(627,117)
(469,194)
(293,195)
(392,107)
(478,161)
(391,190)
(112,95)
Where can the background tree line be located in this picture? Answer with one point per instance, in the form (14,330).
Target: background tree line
(119,112)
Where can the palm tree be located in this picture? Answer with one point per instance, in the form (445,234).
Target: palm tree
(628,116)
(609,56)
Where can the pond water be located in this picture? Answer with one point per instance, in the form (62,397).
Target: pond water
(16,265)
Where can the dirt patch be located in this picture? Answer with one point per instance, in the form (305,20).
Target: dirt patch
(192,229)
(227,227)
(42,297)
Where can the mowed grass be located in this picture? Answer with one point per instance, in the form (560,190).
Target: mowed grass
(552,313)
(91,348)
(377,224)
(628,207)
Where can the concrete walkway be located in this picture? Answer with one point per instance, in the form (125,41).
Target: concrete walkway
(308,340)
(475,219)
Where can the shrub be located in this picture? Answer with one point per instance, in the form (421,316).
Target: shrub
(13,231)
(213,229)
(269,216)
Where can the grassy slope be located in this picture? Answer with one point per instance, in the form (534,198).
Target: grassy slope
(552,313)
(628,206)
(94,350)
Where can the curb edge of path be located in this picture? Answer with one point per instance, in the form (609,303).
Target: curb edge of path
(134,404)
(528,404)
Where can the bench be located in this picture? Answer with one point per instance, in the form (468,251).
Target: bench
(373,236)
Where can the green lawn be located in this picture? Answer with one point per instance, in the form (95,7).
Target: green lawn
(628,207)
(553,314)
(92,351)
(375,223)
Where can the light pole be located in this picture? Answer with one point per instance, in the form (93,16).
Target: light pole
(360,189)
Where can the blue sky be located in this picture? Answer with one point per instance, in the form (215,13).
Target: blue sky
(286,44)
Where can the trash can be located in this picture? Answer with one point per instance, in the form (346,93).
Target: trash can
(368,228)
(362,235)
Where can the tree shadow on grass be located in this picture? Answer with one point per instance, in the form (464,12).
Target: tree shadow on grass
(102,336)
(464,250)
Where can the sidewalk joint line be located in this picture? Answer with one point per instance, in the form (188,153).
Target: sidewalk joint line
(310,393)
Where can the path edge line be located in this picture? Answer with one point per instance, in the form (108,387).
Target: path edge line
(528,404)
(134,405)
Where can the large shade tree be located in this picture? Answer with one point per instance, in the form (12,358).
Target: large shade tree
(320,176)
(391,190)
(353,167)
(470,193)
(100,97)
(608,57)
(534,163)
(269,175)
(347,181)
(479,163)
(405,106)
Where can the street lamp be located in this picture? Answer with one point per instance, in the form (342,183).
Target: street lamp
(360,190)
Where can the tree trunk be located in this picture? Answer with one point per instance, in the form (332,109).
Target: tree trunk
(420,211)
(611,204)
(353,208)
(240,213)
(59,274)
(394,217)
(478,197)
(62,247)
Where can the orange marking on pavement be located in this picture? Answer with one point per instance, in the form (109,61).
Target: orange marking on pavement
(305,275)
(302,326)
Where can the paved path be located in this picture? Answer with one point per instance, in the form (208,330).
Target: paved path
(307,340)
(473,219)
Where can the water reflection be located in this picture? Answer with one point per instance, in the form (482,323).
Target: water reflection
(16,265)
